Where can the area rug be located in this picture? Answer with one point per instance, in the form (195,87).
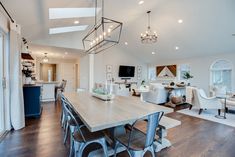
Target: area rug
(210,115)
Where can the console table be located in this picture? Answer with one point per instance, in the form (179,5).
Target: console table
(127,84)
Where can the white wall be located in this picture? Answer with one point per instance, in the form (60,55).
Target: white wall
(84,72)
(200,68)
(114,57)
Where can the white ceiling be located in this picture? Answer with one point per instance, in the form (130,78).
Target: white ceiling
(207,26)
(55,52)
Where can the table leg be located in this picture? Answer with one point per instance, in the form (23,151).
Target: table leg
(110,139)
(162,142)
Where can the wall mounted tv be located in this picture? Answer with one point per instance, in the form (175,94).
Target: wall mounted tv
(126,71)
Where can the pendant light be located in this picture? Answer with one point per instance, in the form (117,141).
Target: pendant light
(105,34)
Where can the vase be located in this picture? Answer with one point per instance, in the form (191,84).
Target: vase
(28,80)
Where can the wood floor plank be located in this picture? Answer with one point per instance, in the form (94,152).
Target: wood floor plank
(194,138)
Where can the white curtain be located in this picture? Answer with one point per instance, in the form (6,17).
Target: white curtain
(16,90)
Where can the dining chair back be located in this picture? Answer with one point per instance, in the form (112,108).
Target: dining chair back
(137,143)
(70,112)
(152,124)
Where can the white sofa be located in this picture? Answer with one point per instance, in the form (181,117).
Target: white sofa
(201,101)
(157,94)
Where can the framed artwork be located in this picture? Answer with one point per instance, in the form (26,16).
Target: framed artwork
(166,71)
(109,68)
(139,69)
(108,76)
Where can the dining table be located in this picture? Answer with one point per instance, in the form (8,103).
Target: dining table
(113,115)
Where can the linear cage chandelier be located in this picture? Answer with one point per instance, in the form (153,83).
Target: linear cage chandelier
(149,37)
(105,34)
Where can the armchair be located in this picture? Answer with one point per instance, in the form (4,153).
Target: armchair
(201,101)
(157,94)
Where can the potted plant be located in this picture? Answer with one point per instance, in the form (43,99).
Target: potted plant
(28,74)
(187,77)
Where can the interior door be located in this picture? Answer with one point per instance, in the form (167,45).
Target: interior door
(68,73)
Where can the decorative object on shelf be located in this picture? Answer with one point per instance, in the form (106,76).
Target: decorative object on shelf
(149,37)
(45,58)
(139,72)
(143,83)
(27,70)
(181,84)
(105,34)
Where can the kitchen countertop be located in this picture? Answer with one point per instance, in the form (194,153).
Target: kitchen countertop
(46,82)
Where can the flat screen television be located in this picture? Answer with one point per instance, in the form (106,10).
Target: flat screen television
(126,71)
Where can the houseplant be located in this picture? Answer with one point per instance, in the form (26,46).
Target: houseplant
(187,77)
(28,74)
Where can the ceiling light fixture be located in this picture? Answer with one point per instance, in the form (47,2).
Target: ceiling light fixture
(45,58)
(76,22)
(153,53)
(126,43)
(141,2)
(105,34)
(180,21)
(148,37)
(66,53)
(176,48)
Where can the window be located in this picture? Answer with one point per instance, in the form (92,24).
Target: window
(221,74)
(152,73)
(184,68)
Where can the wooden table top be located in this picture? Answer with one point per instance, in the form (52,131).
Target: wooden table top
(99,115)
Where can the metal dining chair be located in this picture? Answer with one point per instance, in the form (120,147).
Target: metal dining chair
(67,123)
(82,137)
(136,142)
(63,114)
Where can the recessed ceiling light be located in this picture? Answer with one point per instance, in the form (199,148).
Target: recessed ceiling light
(153,53)
(67,29)
(180,21)
(61,13)
(66,53)
(126,43)
(176,48)
(76,22)
(141,2)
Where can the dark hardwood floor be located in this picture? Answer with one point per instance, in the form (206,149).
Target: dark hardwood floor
(194,138)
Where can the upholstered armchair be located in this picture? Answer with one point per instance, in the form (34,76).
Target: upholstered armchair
(201,101)
(157,94)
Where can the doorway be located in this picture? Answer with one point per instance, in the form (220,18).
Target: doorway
(47,72)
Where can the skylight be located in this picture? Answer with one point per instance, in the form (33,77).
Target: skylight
(61,13)
(67,29)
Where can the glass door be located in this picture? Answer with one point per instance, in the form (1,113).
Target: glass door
(2,84)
